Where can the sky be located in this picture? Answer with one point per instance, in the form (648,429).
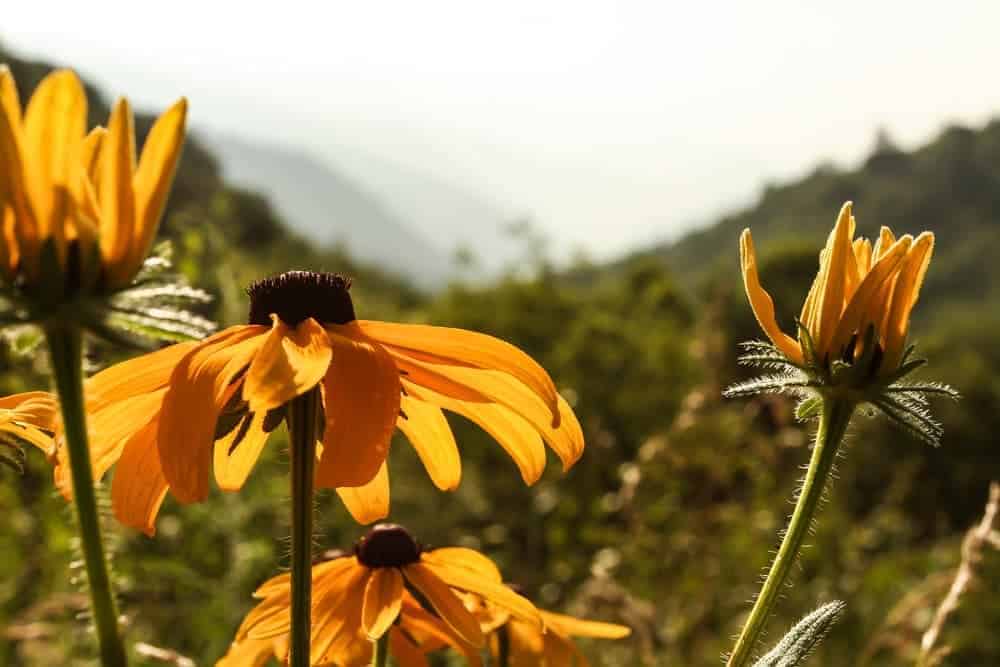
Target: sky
(610,124)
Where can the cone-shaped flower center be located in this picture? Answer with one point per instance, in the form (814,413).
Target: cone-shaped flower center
(387,545)
(295,296)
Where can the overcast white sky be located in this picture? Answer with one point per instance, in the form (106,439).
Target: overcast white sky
(611,122)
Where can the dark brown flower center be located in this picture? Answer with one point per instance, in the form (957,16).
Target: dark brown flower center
(387,545)
(295,296)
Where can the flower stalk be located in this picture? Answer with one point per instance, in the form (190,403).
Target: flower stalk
(65,343)
(303,414)
(834,418)
(503,646)
(380,653)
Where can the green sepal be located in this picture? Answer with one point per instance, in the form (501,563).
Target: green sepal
(808,408)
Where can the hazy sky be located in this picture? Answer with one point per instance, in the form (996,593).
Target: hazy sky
(610,123)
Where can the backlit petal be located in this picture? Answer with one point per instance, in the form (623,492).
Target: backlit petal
(466,348)
(904,297)
(448,606)
(761,302)
(370,502)
(493,591)
(139,487)
(291,362)
(428,431)
(468,559)
(114,187)
(383,599)
(832,297)
(160,155)
(238,451)
(192,404)
(578,627)
(362,398)
(138,375)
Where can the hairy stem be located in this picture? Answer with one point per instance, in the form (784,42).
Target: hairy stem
(66,352)
(302,414)
(380,654)
(832,426)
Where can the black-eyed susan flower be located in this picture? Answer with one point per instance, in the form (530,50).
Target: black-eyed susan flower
(527,646)
(28,418)
(80,212)
(170,417)
(389,584)
(852,331)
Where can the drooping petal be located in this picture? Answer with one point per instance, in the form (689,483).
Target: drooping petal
(859,313)
(527,644)
(192,404)
(114,187)
(135,376)
(468,559)
(38,408)
(571,626)
(344,622)
(495,592)
(832,297)
(362,398)
(517,437)
(406,653)
(904,297)
(238,451)
(383,600)
(157,166)
(54,124)
(447,605)
(292,361)
(428,431)
(139,487)
(761,302)
(370,502)
(459,347)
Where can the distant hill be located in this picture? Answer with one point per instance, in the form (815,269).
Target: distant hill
(329,208)
(950,186)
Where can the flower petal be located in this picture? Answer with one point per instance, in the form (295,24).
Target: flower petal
(38,408)
(114,187)
(833,295)
(904,298)
(383,600)
(468,559)
(362,398)
(427,429)
(135,376)
(578,627)
(192,404)
(761,302)
(160,154)
(406,653)
(370,502)
(447,605)
(139,487)
(459,347)
(238,451)
(291,362)
(497,593)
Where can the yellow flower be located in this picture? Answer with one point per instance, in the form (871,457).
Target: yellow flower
(172,415)
(30,417)
(358,598)
(859,287)
(77,211)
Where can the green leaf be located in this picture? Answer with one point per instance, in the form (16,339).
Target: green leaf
(808,408)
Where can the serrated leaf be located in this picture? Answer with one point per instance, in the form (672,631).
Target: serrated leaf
(808,408)
(795,647)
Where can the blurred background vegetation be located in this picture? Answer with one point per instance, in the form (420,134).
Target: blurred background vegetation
(671,515)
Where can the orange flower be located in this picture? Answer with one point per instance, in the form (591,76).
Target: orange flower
(859,286)
(358,598)
(169,417)
(553,647)
(77,210)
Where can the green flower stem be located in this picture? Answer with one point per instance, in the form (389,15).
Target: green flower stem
(66,352)
(303,412)
(380,654)
(832,426)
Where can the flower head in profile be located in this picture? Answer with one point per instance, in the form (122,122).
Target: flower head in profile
(79,210)
(28,418)
(170,417)
(389,584)
(852,331)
